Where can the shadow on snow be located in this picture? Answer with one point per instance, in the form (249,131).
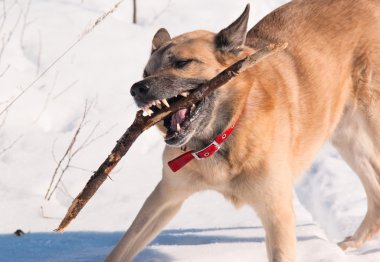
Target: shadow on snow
(93,246)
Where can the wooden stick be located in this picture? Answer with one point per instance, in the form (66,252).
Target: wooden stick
(142,123)
(134,19)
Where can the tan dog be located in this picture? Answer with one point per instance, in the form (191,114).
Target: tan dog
(326,84)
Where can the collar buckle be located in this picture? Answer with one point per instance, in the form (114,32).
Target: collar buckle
(195,154)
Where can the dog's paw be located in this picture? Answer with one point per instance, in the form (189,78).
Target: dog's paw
(349,242)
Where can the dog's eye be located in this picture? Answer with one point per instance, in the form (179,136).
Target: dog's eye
(181,63)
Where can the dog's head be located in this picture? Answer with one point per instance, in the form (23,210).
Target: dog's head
(177,66)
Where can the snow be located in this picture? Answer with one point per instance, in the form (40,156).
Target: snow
(37,129)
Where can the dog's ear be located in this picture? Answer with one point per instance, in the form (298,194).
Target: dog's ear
(231,38)
(160,38)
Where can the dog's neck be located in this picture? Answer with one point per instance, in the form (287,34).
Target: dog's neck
(229,103)
(226,115)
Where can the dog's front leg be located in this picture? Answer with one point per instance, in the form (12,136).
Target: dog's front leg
(163,203)
(275,208)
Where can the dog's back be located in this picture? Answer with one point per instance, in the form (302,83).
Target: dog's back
(331,66)
(307,20)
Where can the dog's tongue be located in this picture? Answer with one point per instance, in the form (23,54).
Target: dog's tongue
(177,118)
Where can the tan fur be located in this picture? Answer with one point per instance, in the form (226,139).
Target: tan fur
(324,85)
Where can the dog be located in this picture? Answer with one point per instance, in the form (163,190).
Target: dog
(261,130)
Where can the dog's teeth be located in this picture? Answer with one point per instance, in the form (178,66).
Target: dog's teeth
(158,104)
(147,111)
(184,94)
(178,127)
(165,102)
(193,106)
(154,103)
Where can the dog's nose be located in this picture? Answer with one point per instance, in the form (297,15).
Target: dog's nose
(139,89)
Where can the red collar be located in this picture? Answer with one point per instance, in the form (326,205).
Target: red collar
(179,162)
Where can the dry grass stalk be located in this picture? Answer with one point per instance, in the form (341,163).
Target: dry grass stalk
(64,164)
(134,12)
(44,215)
(67,154)
(52,64)
(10,146)
(6,38)
(24,24)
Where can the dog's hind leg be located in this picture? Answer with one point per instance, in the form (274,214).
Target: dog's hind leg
(163,203)
(357,141)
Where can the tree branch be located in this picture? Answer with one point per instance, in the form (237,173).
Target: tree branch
(142,123)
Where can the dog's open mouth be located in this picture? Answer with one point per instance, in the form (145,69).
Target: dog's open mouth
(178,123)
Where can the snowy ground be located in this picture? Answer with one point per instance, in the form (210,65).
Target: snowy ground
(37,129)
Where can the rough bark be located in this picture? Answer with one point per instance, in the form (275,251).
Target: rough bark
(142,123)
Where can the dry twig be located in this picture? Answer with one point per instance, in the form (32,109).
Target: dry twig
(3,119)
(3,17)
(39,51)
(46,216)
(157,15)
(10,146)
(5,70)
(141,124)
(68,154)
(80,38)
(134,12)
(48,96)
(24,24)
(72,84)
(6,38)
